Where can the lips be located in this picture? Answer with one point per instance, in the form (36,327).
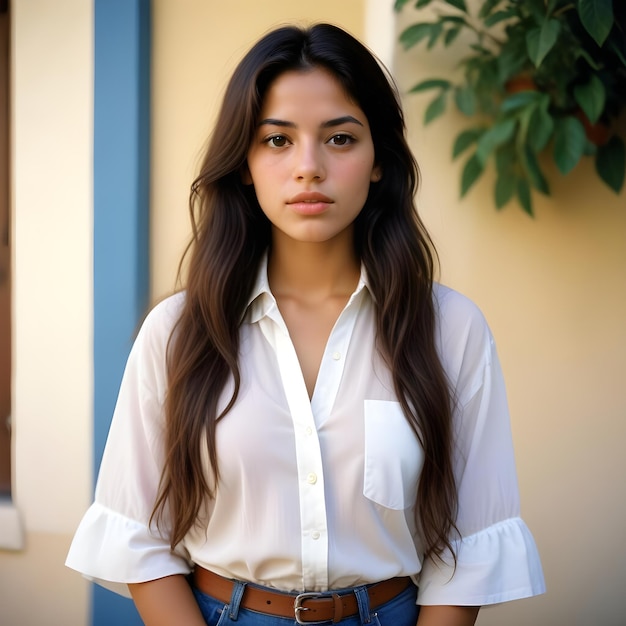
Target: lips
(309,197)
(309,203)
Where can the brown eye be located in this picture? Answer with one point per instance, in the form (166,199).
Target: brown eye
(341,140)
(277,141)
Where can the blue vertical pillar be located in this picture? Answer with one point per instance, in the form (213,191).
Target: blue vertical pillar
(121,221)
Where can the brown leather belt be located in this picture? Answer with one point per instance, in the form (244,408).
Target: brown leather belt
(305,608)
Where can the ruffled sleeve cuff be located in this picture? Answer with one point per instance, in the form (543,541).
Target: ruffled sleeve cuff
(498,564)
(113,550)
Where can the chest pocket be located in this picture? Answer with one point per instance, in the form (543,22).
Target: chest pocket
(393,456)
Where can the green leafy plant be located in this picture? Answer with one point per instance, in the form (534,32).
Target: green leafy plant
(537,76)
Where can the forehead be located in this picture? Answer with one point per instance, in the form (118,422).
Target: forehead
(307,90)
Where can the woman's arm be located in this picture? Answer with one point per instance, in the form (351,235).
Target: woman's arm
(166,601)
(447,615)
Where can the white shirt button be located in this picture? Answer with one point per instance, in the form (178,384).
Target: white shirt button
(336,355)
(311,478)
(309,431)
(315,535)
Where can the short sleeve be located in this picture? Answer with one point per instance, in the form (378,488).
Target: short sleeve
(115,544)
(497,559)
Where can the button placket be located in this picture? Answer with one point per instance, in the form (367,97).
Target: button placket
(307,416)
(334,360)
(313,517)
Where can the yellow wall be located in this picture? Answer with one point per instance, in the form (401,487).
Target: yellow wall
(554,291)
(196,46)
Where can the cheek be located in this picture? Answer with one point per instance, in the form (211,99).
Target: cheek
(265,173)
(358,174)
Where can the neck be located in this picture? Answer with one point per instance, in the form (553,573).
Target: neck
(312,270)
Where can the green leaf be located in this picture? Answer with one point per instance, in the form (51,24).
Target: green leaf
(451,35)
(458,4)
(512,58)
(487,7)
(482,76)
(454,19)
(569,143)
(422,3)
(465,139)
(520,100)
(552,4)
(471,171)
(540,129)
(611,163)
(498,134)
(505,188)
(523,196)
(435,108)
(465,100)
(591,98)
(540,40)
(431,83)
(597,18)
(591,149)
(615,48)
(537,9)
(412,35)
(398,4)
(534,172)
(436,30)
(506,158)
(588,58)
(499,16)
(480,49)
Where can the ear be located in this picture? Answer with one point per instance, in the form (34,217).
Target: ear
(376,174)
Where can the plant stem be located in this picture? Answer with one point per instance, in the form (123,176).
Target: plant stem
(567,7)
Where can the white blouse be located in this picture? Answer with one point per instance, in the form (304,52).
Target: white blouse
(317,494)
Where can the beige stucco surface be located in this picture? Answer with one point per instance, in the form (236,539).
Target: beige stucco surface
(196,46)
(35,587)
(52,206)
(554,291)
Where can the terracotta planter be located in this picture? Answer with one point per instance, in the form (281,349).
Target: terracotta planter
(597,133)
(520,83)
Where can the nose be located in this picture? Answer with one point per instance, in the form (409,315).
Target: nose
(309,162)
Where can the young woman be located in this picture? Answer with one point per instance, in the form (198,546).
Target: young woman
(313,431)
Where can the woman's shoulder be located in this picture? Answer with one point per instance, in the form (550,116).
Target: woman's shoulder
(464,338)
(456,312)
(168,309)
(161,319)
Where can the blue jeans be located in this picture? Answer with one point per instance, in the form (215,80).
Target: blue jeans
(400,611)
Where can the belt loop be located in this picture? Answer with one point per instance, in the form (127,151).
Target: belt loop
(337,609)
(235,599)
(363,602)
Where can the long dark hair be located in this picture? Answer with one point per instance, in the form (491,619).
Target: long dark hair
(230,235)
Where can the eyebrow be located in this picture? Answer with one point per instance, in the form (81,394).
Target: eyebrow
(338,121)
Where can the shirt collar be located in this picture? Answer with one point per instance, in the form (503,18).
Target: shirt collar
(262,301)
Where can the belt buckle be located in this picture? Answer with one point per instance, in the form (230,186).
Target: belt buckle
(297,605)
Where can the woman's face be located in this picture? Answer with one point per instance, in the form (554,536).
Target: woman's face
(312,158)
